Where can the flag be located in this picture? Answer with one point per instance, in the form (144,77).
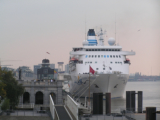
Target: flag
(91,70)
(55,72)
(48,52)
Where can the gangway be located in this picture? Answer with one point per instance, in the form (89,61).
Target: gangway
(62,113)
(59,110)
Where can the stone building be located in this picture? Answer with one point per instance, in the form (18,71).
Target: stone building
(38,93)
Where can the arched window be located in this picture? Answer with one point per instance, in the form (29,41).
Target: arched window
(26,98)
(39,98)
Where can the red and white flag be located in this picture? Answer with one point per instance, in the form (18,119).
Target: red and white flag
(48,52)
(91,70)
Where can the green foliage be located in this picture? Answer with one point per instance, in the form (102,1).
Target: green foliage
(5,104)
(2,91)
(12,88)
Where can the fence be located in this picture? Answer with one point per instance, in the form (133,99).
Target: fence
(34,112)
(29,105)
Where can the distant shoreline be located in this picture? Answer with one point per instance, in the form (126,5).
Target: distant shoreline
(145,81)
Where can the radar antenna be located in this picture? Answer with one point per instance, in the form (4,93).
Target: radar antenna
(100,35)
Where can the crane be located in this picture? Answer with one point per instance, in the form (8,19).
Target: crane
(6,61)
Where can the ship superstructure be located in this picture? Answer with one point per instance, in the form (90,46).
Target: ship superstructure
(109,62)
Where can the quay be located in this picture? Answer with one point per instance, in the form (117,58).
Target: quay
(48,101)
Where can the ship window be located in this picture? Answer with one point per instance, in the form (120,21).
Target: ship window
(103,50)
(95,56)
(98,49)
(112,49)
(95,49)
(89,50)
(96,68)
(99,56)
(109,49)
(111,62)
(90,62)
(89,56)
(102,56)
(92,56)
(92,49)
(103,68)
(116,56)
(95,61)
(86,49)
(110,56)
(119,56)
(106,49)
(113,56)
(115,49)
(116,62)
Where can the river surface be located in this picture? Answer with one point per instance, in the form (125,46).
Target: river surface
(151,95)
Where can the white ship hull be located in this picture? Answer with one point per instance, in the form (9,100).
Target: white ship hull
(109,63)
(100,83)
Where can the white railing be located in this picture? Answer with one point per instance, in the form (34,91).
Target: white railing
(73,106)
(52,108)
(68,112)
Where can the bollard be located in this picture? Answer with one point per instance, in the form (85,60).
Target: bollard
(133,101)
(140,101)
(97,103)
(108,103)
(128,100)
(150,113)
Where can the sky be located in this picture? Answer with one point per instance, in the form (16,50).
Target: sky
(30,28)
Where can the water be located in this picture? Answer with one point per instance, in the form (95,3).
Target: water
(151,95)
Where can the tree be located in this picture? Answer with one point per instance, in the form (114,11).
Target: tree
(2,91)
(12,88)
(5,104)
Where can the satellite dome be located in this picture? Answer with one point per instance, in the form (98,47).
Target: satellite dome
(111,41)
(85,43)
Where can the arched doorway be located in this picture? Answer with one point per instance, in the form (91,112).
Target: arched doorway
(39,98)
(26,97)
(53,95)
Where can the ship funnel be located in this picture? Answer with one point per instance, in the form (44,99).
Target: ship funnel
(91,38)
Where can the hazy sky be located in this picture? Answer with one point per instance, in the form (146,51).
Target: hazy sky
(30,28)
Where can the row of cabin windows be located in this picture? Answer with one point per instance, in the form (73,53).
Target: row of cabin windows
(92,56)
(98,68)
(90,62)
(102,49)
(116,62)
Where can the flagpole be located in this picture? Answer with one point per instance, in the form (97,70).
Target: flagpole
(89,89)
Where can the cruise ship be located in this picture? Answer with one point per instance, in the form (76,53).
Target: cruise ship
(110,64)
